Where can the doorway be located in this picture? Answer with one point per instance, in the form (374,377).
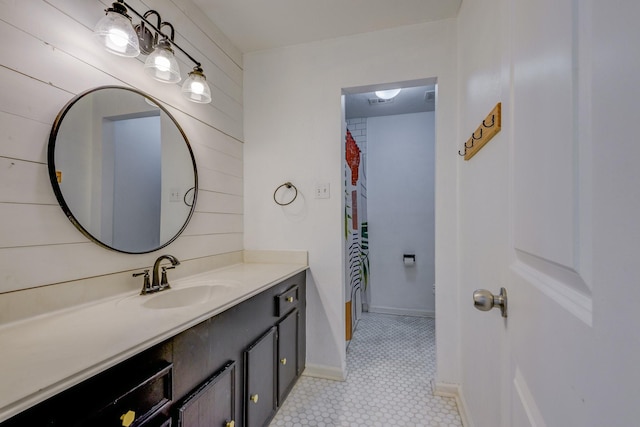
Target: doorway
(389,204)
(132,182)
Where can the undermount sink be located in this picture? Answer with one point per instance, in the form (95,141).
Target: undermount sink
(184,297)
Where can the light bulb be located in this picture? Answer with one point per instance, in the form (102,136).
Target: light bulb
(118,39)
(162,63)
(197,88)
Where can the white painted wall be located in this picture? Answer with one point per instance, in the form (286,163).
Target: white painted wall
(52,57)
(401,212)
(293,133)
(612,107)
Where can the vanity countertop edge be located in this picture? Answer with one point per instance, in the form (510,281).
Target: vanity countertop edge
(48,354)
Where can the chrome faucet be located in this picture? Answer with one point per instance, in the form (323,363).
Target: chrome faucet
(158,284)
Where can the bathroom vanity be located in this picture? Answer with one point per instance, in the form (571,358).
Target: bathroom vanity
(222,348)
(219,348)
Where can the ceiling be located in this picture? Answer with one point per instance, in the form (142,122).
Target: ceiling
(254,25)
(415,99)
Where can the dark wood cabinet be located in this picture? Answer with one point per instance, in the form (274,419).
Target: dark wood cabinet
(287,361)
(260,380)
(212,404)
(206,376)
(138,391)
(138,404)
(192,363)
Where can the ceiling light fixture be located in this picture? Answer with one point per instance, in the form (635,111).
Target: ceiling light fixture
(387,94)
(119,36)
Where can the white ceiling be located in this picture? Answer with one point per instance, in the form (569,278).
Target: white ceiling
(253,25)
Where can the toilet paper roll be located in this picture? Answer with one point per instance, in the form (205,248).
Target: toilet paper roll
(409,260)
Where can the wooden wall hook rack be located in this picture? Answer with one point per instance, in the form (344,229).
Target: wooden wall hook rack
(489,127)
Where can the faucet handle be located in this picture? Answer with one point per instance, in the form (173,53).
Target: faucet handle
(164,282)
(145,272)
(146,286)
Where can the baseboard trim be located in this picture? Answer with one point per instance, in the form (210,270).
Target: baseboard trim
(324,372)
(454,391)
(402,311)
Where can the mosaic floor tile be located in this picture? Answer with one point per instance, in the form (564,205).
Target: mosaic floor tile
(391,363)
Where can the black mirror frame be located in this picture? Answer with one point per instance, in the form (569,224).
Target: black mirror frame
(54,179)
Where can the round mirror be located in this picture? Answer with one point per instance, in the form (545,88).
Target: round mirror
(122,169)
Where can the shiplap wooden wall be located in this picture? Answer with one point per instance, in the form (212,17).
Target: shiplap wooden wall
(48,55)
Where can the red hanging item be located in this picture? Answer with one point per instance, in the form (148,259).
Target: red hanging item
(353,157)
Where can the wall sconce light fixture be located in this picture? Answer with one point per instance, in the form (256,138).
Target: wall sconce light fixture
(116,32)
(119,36)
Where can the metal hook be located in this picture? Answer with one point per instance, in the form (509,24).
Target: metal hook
(468,146)
(465,151)
(473,135)
(493,122)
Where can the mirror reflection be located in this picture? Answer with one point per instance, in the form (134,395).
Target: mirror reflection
(122,169)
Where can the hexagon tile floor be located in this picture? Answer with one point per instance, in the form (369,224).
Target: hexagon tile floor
(391,363)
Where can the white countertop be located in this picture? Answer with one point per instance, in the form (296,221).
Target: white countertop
(42,356)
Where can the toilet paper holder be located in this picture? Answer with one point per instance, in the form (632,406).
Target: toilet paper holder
(409,259)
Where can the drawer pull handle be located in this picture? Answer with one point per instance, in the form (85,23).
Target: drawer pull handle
(283,360)
(230,424)
(254,398)
(128,418)
(289,299)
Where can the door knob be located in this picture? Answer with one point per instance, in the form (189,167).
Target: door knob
(484,300)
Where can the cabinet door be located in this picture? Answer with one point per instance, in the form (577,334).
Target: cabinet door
(260,380)
(212,404)
(287,354)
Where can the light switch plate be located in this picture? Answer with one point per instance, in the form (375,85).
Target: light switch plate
(174,195)
(323,190)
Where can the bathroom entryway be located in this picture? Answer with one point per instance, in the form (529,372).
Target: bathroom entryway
(391,365)
(389,200)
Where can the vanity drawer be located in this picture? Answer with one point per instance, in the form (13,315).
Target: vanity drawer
(287,301)
(138,403)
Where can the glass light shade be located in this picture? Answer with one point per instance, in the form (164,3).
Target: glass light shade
(387,94)
(115,32)
(195,88)
(162,64)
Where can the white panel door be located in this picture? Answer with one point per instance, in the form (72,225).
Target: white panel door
(550,317)
(556,274)
(562,234)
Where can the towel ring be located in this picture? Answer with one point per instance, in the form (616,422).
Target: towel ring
(186,194)
(288,185)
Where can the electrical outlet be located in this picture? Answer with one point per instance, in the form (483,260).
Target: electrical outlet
(322,190)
